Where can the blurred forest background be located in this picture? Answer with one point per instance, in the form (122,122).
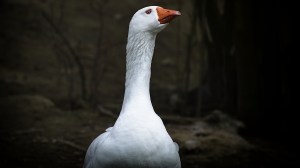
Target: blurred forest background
(220,80)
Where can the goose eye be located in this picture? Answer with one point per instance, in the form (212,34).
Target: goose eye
(148,11)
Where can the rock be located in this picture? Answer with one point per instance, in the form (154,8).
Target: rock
(213,141)
(220,121)
(29,102)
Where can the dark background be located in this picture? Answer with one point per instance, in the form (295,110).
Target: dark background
(221,80)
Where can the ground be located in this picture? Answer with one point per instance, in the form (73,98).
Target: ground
(35,133)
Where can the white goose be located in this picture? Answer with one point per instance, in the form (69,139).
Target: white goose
(139,138)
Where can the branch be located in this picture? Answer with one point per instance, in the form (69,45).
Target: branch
(71,50)
(69,143)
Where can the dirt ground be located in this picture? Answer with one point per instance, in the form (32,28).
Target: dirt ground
(35,133)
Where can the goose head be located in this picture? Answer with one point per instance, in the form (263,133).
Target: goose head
(152,19)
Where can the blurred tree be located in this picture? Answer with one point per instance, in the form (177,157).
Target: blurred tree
(216,89)
(247,61)
(98,59)
(71,58)
(63,47)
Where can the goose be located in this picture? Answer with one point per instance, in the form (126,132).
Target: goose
(138,138)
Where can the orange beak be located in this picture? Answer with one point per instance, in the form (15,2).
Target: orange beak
(166,15)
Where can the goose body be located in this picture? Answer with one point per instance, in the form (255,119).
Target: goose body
(139,138)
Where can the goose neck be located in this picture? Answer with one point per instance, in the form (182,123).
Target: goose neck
(140,47)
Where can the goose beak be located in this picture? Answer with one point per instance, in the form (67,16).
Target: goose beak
(166,15)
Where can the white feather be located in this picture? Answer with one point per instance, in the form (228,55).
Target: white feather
(139,138)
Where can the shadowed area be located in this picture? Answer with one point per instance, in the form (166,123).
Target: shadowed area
(220,80)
